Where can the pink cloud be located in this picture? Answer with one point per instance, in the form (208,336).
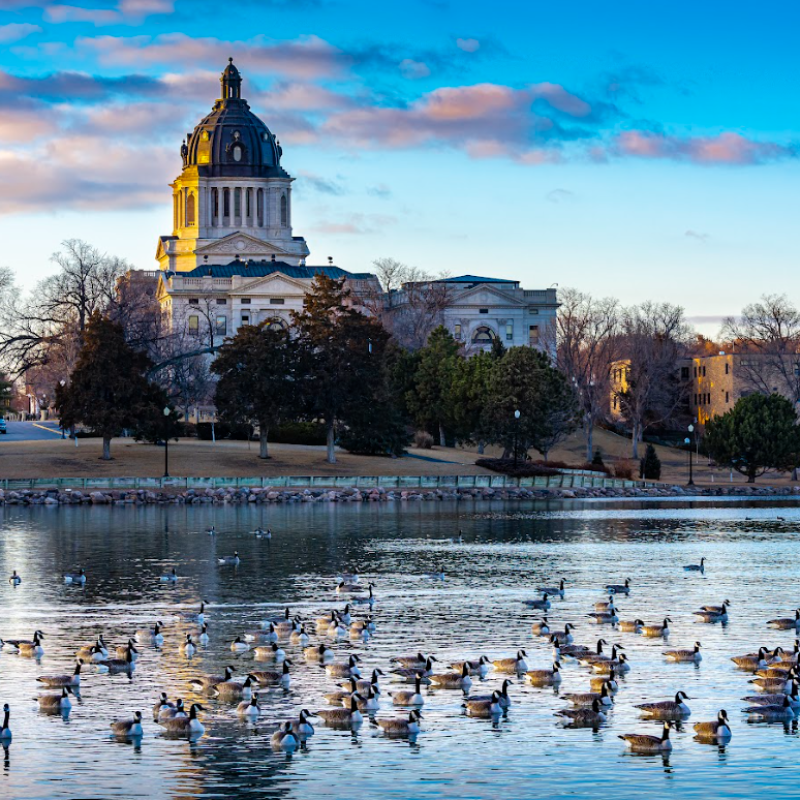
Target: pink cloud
(24,123)
(126,11)
(15,31)
(724,148)
(468,45)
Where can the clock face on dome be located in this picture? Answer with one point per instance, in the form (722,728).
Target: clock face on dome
(237,152)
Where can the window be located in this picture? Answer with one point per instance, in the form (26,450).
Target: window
(190,209)
(695,399)
(277,324)
(221,301)
(283,210)
(509,331)
(457,332)
(247,194)
(194,323)
(532,310)
(533,335)
(727,397)
(704,372)
(215,202)
(237,202)
(245,301)
(728,368)
(193,301)
(221,326)
(483,335)
(483,310)
(276,301)
(695,372)
(245,319)
(260,205)
(226,202)
(684,373)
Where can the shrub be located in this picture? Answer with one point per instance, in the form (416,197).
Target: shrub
(311,433)
(423,440)
(650,467)
(624,470)
(597,459)
(523,469)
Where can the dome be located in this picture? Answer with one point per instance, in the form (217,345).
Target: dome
(232,142)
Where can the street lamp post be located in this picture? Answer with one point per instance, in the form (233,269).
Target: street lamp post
(689,442)
(516,437)
(62,383)
(167,412)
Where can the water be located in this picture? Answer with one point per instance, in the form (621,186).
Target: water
(508,551)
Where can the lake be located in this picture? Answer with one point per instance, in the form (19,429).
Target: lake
(508,550)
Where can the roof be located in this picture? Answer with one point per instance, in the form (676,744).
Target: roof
(260,269)
(476,279)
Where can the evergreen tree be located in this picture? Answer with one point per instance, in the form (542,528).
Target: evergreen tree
(469,392)
(258,379)
(430,399)
(759,433)
(108,390)
(341,355)
(650,467)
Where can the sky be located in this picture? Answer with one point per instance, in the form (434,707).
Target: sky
(640,150)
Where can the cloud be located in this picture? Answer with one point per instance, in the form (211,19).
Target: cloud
(413,70)
(468,45)
(126,11)
(26,121)
(15,31)
(560,196)
(722,149)
(319,184)
(354,225)
(381,191)
(700,237)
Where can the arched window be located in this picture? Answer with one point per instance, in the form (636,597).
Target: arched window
(215,203)
(483,335)
(226,202)
(277,324)
(283,210)
(190,209)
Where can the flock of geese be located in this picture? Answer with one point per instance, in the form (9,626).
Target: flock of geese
(357,694)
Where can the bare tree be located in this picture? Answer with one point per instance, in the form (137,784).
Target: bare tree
(587,344)
(653,338)
(770,331)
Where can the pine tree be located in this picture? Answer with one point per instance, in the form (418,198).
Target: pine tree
(650,468)
(108,390)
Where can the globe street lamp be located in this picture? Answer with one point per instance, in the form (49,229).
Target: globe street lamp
(167,412)
(516,436)
(689,442)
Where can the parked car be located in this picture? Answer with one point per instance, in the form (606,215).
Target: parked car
(3,427)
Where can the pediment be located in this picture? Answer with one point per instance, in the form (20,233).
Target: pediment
(485,295)
(276,284)
(241,244)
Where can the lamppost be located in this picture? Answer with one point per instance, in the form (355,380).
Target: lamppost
(62,383)
(689,442)
(516,437)
(167,412)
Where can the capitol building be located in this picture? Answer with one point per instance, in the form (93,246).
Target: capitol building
(232,258)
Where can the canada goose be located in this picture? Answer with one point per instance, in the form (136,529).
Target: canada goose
(164,709)
(609,681)
(778,712)
(348,670)
(620,665)
(544,677)
(15,580)
(5,729)
(701,567)
(542,605)
(654,631)
(238,645)
(152,635)
(343,716)
(480,667)
(163,702)
(366,702)
(411,662)
(337,629)
(267,634)
(368,600)
(263,534)
(751,663)
(667,709)
(231,561)
(453,680)
(93,652)
(300,637)
(77,578)
(786,623)
(779,670)
(128,727)
(483,708)
(188,647)
(185,726)
(409,698)
(436,576)
(196,616)
(58,681)
(684,656)
(604,617)
(249,708)
(565,636)
(719,729)
(286,626)
(505,700)
(607,606)
(346,691)
(271,678)
(631,626)
(204,638)
(321,653)
(32,649)
(117,665)
(458,539)
(579,650)
(284,738)
(212,531)
(517,664)
(207,682)
(590,717)
(170,577)
(302,727)
(409,674)
(775,685)
(121,650)
(372,682)
(15,644)
(400,726)
(590,659)
(55,702)
(541,628)
(641,743)
(775,699)
(723,609)
(619,588)
(343,587)
(710,616)
(553,591)
(234,690)
(585,699)
(270,653)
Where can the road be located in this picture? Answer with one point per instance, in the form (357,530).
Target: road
(30,431)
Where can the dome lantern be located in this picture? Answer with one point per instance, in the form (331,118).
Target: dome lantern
(231,81)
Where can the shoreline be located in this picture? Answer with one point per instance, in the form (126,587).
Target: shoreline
(237,496)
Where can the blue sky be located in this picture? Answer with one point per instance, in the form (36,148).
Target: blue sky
(643,150)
